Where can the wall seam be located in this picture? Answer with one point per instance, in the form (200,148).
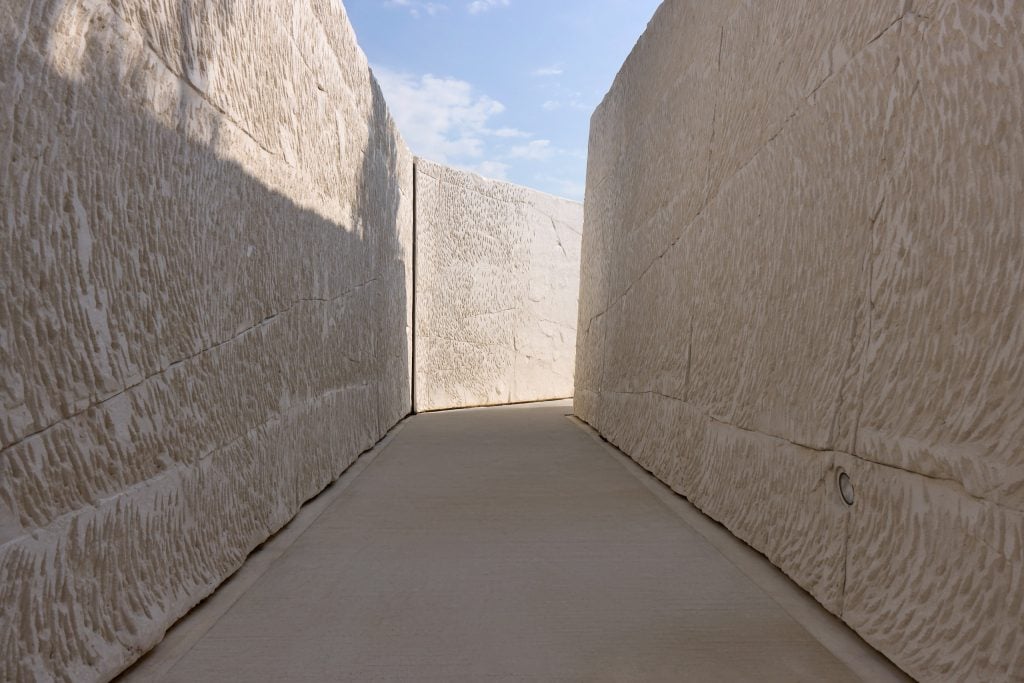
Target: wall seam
(702,412)
(414,289)
(101,400)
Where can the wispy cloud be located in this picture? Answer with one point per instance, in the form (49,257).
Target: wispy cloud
(511,133)
(451,121)
(542,150)
(496,170)
(443,119)
(480,6)
(418,7)
(563,187)
(571,101)
(535,149)
(551,70)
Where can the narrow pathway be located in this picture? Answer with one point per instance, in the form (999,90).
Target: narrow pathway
(506,544)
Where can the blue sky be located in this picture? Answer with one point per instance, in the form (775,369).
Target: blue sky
(504,88)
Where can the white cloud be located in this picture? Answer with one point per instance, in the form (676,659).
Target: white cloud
(571,101)
(494,170)
(510,133)
(442,119)
(480,6)
(552,70)
(541,150)
(571,189)
(418,7)
(535,149)
(449,121)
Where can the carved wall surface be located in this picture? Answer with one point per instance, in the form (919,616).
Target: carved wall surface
(497,279)
(205,289)
(802,255)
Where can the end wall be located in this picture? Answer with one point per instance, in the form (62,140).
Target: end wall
(205,273)
(803,255)
(497,277)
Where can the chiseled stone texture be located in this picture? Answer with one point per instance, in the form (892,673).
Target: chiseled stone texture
(205,288)
(497,277)
(803,253)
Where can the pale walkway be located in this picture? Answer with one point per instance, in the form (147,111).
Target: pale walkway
(506,544)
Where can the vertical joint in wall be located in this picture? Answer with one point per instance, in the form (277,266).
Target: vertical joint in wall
(414,289)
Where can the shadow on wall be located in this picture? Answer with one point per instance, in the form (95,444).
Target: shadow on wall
(197,332)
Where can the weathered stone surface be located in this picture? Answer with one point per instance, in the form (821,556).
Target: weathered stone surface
(802,253)
(497,273)
(205,248)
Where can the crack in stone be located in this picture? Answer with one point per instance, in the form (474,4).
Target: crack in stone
(714,122)
(178,467)
(555,322)
(558,237)
(176,363)
(869,323)
(486,313)
(801,106)
(958,485)
(483,345)
(182,77)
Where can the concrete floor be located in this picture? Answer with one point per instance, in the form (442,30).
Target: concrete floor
(506,544)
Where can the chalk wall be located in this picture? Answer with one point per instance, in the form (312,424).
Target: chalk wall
(205,303)
(497,280)
(802,256)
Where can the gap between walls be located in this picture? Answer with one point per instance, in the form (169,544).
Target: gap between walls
(412,298)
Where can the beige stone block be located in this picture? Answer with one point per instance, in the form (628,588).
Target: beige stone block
(847,296)
(206,258)
(775,55)
(943,372)
(497,272)
(777,496)
(945,567)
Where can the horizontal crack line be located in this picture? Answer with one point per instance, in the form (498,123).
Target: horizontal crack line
(703,413)
(180,467)
(174,364)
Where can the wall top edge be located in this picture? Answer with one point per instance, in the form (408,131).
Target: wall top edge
(439,171)
(622,67)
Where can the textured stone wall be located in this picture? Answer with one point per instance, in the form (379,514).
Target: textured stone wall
(497,277)
(205,273)
(803,253)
